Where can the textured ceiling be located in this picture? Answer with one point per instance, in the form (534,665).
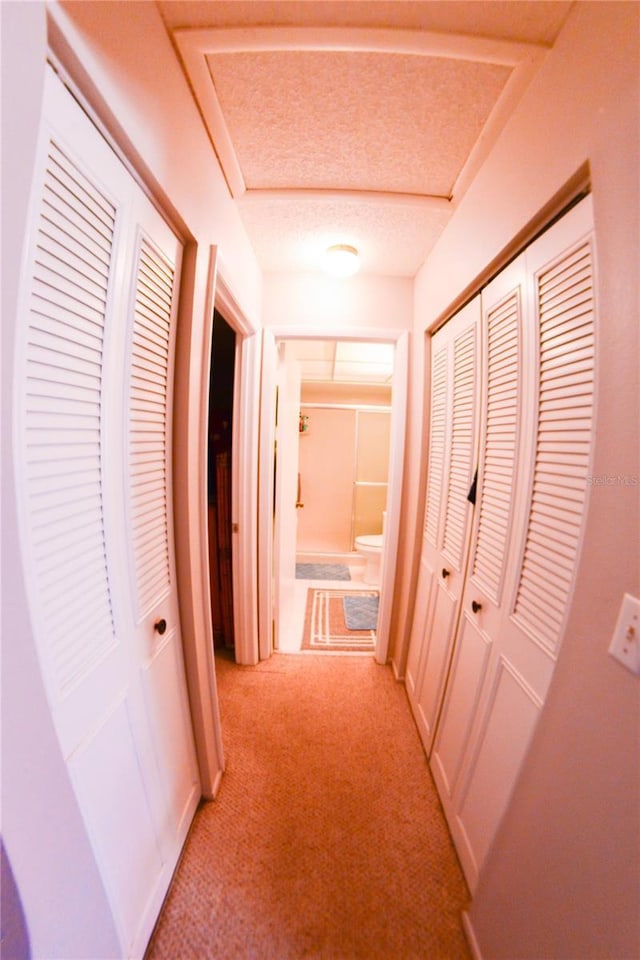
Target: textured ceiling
(324,119)
(351,122)
(298,229)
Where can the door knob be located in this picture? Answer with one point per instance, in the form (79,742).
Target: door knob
(445,573)
(160,626)
(475,606)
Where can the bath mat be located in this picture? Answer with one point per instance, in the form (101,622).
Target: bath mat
(322,571)
(361,613)
(325,629)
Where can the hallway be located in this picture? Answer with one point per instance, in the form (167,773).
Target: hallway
(326,839)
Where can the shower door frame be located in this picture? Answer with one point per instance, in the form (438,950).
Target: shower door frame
(357,409)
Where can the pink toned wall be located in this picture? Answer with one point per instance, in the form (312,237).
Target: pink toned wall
(345,393)
(319,303)
(562,878)
(134,80)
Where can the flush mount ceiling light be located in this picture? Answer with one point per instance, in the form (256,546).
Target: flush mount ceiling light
(342,260)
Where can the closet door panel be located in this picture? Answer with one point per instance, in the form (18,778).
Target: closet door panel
(565,307)
(438,648)
(62,453)
(423,600)
(452,456)
(501,446)
(428,578)
(438,436)
(509,724)
(528,527)
(118,696)
(149,518)
(114,797)
(473,648)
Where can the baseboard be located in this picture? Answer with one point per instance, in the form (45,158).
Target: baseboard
(396,673)
(216,784)
(469,933)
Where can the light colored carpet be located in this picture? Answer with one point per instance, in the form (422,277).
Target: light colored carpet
(325,627)
(327,840)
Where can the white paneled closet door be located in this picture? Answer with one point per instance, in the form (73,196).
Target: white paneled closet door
(538,323)
(453,450)
(93,440)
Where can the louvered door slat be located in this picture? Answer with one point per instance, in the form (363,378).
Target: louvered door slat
(565,305)
(55,303)
(69,282)
(61,259)
(55,318)
(148,426)
(62,418)
(68,500)
(57,233)
(551,540)
(462,441)
(500,439)
(437,438)
(77,208)
(152,318)
(154,299)
(96,242)
(153,363)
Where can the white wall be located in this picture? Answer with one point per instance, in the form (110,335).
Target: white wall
(562,878)
(326,305)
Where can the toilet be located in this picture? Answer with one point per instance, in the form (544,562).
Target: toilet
(370,547)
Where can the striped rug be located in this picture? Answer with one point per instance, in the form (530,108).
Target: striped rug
(325,628)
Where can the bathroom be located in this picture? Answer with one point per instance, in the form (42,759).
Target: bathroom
(343,467)
(344,421)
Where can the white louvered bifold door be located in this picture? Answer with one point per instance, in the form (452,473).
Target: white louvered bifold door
(131,763)
(148,421)
(565,311)
(154,603)
(538,323)
(452,460)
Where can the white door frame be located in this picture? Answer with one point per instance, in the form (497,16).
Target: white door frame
(244,472)
(266,463)
(400,340)
(191,415)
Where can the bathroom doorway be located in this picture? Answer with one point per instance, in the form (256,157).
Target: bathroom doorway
(333,454)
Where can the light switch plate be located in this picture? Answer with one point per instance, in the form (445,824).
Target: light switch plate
(625,645)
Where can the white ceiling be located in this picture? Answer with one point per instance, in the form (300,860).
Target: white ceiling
(343,361)
(355,122)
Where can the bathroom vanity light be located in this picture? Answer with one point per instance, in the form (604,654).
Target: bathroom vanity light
(342,260)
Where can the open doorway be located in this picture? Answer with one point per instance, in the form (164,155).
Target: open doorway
(219,453)
(333,452)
